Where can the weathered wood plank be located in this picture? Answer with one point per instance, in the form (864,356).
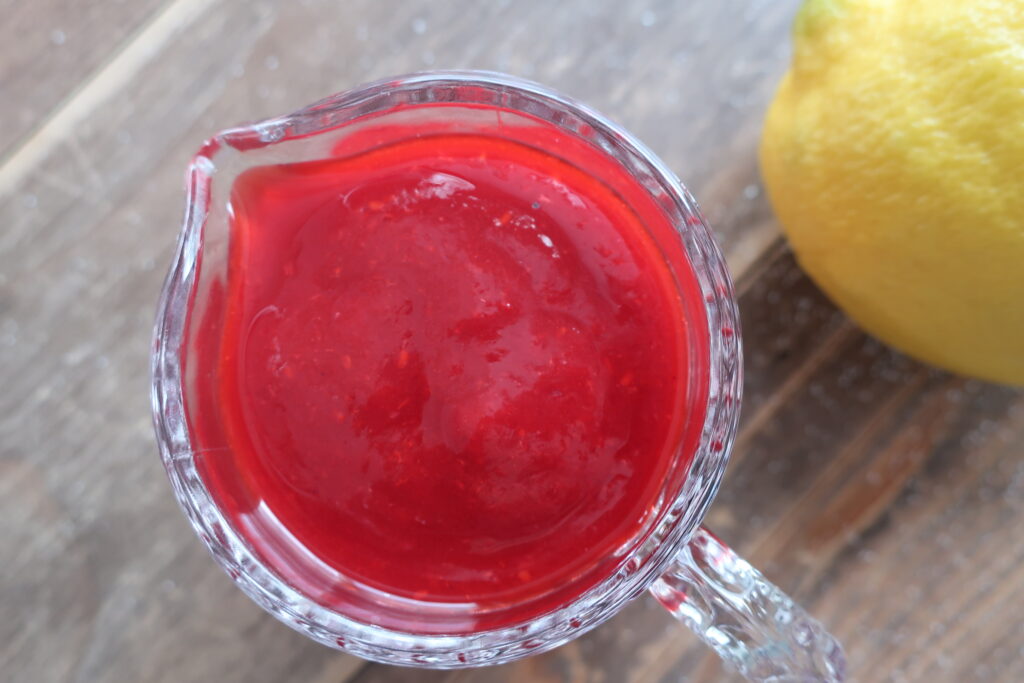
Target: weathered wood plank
(47,49)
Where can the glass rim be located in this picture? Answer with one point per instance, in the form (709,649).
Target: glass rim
(642,566)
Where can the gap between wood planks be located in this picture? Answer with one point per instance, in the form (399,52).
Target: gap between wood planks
(136,52)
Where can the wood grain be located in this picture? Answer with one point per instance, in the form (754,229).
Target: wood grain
(49,48)
(883,494)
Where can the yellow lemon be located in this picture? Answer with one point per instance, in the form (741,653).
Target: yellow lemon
(893,155)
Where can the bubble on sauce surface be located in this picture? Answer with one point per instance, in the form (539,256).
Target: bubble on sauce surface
(443,185)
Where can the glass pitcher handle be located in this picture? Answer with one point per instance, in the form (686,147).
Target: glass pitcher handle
(750,623)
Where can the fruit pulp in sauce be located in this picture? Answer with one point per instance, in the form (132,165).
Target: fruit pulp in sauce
(452,368)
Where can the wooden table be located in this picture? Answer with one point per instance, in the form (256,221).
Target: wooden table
(883,494)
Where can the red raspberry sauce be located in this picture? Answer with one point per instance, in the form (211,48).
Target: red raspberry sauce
(453,368)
